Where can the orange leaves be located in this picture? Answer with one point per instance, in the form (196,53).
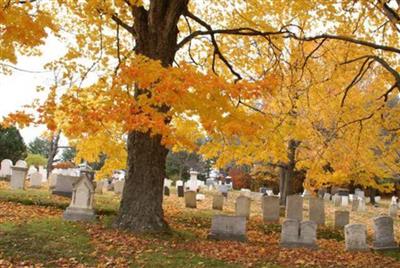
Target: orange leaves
(20,118)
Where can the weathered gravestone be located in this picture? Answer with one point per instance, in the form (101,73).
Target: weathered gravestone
(342,218)
(355,237)
(242,206)
(271,209)
(223,189)
(354,204)
(190,199)
(384,233)
(32,169)
(81,206)
(345,201)
(36,180)
(327,196)
(298,234)
(52,180)
(337,200)
(361,205)
(225,227)
(6,171)
(119,186)
(64,185)
(101,186)
(43,171)
(21,163)
(181,191)
(294,207)
(317,210)
(166,190)
(218,202)
(393,210)
(18,176)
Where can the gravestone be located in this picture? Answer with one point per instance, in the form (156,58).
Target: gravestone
(271,209)
(294,207)
(383,238)
(354,204)
(393,210)
(166,190)
(32,169)
(337,200)
(327,196)
(6,171)
(36,180)
(18,176)
(355,237)
(190,199)
(361,205)
(317,210)
(345,200)
(81,206)
(119,186)
(43,171)
(181,191)
(52,180)
(218,202)
(223,189)
(242,206)
(225,227)
(64,185)
(298,234)
(167,182)
(342,218)
(21,163)
(193,183)
(101,186)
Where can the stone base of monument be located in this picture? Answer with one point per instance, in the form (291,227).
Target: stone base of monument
(386,246)
(79,214)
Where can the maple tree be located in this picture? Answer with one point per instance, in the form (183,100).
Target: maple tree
(266,81)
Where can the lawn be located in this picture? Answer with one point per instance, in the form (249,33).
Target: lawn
(33,234)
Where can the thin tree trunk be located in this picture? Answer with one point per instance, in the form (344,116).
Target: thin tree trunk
(52,152)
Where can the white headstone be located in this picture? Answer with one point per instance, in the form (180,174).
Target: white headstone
(43,171)
(32,169)
(6,165)
(36,180)
(21,163)
(18,176)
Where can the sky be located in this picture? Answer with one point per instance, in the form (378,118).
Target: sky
(19,89)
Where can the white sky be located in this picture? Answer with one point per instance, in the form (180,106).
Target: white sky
(19,89)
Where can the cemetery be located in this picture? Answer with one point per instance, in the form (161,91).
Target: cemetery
(191,133)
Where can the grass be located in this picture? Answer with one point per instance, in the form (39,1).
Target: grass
(45,241)
(178,258)
(105,204)
(391,253)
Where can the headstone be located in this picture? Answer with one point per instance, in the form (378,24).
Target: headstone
(342,218)
(181,191)
(81,207)
(52,180)
(361,205)
(223,189)
(100,186)
(351,197)
(218,202)
(355,237)
(354,204)
(337,200)
(298,234)
(167,182)
(32,169)
(225,227)
(21,163)
(43,171)
(36,180)
(367,200)
(359,193)
(270,207)
(200,197)
(166,190)
(383,233)
(345,201)
(192,183)
(5,171)
(64,185)
(179,183)
(242,206)
(393,210)
(327,196)
(18,176)
(190,199)
(294,207)
(377,199)
(119,186)
(317,210)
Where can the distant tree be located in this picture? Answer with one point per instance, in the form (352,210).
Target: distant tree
(39,146)
(68,154)
(36,160)
(12,145)
(179,164)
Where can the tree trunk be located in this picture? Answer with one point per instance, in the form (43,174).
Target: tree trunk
(282,186)
(141,203)
(287,173)
(52,152)
(141,210)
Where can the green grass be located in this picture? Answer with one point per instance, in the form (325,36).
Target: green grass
(44,241)
(391,253)
(104,204)
(171,258)
(327,232)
